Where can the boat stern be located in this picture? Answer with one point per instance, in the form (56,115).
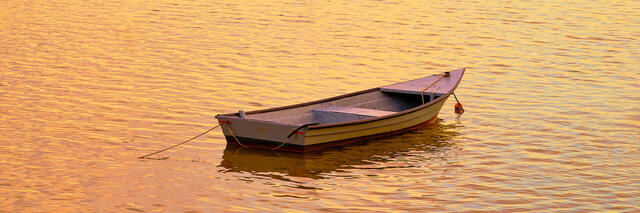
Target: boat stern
(261,134)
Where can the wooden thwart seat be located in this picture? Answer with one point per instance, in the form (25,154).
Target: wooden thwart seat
(342,114)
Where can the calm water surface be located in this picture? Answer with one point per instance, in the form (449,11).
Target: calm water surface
(552,95)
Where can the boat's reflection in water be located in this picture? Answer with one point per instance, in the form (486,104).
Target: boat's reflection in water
(376,153)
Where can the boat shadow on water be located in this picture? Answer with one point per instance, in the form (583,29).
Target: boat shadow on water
(435,138)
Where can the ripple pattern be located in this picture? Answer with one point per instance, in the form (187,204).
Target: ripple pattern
(551,98)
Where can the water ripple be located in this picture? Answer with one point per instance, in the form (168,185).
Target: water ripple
(551,96)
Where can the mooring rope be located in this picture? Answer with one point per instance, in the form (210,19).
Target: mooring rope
(234,137)
(294,133)
(284,142)
(171,147)
(458,105)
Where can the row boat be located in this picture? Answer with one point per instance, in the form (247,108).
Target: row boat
(343,119)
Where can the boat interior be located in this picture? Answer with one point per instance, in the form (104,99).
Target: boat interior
(374,103)
(366,104)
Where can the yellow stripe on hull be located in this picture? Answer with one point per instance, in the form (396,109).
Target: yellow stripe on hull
(338,133)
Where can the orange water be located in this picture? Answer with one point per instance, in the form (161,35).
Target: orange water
(552,95)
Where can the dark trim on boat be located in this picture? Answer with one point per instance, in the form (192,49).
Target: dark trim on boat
(257,143)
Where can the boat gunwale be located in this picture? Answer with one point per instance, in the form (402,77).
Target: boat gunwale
(321,126)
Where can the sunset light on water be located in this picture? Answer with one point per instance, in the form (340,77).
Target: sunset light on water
(551,94)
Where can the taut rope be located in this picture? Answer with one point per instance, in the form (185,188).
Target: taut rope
(458,107)
(171,147)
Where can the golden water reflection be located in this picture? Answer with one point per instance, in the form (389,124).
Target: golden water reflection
(374,154)
(551,97)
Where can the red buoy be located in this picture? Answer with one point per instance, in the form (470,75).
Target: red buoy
(458,108)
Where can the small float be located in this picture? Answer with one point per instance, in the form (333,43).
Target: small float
(343,119)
